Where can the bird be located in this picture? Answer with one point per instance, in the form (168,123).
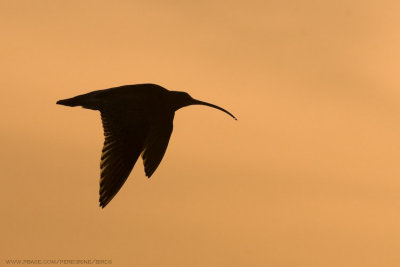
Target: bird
(137,121)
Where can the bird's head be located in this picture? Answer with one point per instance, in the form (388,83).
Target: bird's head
(183,99)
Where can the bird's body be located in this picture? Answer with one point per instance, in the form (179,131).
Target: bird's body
(137,120)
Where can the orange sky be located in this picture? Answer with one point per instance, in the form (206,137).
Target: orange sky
(308,175)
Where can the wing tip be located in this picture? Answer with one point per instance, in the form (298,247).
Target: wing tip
(103,202)
(102,205)
(148,173)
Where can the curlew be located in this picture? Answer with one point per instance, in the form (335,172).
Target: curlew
(137,120)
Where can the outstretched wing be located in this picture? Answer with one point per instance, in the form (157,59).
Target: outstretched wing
(156,143)
(125,135)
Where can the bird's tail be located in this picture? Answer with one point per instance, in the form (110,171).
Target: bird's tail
(71,102)
(89,101)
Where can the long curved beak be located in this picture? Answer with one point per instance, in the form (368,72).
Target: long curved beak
(198,102)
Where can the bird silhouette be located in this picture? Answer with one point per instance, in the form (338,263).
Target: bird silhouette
(137,120)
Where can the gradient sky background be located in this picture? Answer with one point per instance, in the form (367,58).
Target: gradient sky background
(308,176)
